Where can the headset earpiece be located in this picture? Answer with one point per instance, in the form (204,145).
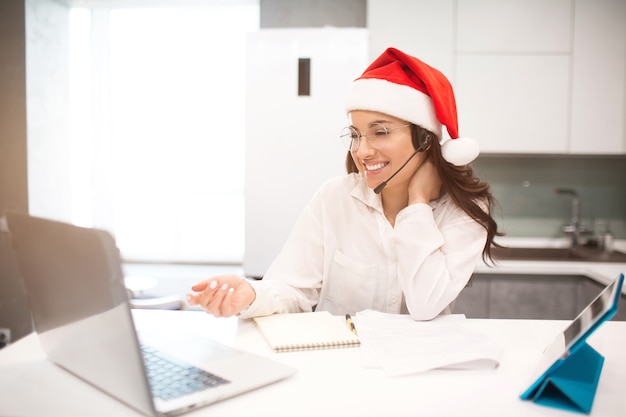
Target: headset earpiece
(425,143)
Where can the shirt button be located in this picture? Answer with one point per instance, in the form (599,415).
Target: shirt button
(393,300)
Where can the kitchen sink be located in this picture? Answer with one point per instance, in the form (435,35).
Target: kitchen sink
(579,254)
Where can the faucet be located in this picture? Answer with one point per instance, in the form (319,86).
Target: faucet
(574,227)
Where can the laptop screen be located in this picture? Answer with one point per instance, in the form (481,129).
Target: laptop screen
(79,305)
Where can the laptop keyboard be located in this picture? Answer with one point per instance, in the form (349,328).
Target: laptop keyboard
(170,378)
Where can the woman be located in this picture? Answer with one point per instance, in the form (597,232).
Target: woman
(401,233)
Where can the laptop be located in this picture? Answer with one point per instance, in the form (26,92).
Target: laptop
(80,309)
(573,339)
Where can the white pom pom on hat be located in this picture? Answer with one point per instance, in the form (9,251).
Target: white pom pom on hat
(460,151)
(402,86)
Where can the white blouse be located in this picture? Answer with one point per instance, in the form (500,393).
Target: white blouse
(344,256)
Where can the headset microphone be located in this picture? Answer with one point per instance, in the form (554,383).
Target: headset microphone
(383,184)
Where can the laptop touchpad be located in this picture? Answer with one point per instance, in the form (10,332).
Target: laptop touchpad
(195,349)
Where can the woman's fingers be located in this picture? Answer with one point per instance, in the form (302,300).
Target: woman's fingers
(201,292)
(200,286)
(213,303)
(228,306)
(222,296)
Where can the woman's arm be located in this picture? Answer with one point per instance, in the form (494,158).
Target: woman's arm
(436,258)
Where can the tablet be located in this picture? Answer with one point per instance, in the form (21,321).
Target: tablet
(601,309)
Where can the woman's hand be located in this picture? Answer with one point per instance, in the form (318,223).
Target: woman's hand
(425,185)
(223,295)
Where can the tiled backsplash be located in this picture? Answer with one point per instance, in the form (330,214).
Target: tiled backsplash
(529,206)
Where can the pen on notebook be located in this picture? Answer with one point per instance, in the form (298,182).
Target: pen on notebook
(350,324)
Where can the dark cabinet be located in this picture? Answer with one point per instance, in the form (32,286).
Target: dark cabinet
(529,296)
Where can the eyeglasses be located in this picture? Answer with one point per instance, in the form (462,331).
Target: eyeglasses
(376,136)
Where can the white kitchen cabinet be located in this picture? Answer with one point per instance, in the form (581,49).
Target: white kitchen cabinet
(598,118)
(512,83)
(513,103)
(513,26)
(422,28)
(530,76)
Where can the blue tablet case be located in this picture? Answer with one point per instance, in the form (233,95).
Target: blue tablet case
(572,386)
(570,383)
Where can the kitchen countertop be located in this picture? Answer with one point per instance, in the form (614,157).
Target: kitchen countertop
(601,272)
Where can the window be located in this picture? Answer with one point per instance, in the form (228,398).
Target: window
(157,120)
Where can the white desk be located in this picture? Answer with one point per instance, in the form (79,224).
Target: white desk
(329,382)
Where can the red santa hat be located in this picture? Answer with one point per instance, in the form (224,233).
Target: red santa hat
(405,87)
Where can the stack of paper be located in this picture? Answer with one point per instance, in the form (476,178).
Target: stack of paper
(401,346)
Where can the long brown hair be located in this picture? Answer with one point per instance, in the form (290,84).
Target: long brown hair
(460,182)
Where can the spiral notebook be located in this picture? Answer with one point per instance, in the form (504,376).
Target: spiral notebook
(304,331)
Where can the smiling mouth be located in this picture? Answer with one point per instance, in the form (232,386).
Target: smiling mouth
(375,167)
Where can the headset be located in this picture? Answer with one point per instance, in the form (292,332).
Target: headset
(419,147)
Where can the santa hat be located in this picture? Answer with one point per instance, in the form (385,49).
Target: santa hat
(405,87)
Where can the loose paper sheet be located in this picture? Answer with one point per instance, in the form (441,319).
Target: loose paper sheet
(401,346)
